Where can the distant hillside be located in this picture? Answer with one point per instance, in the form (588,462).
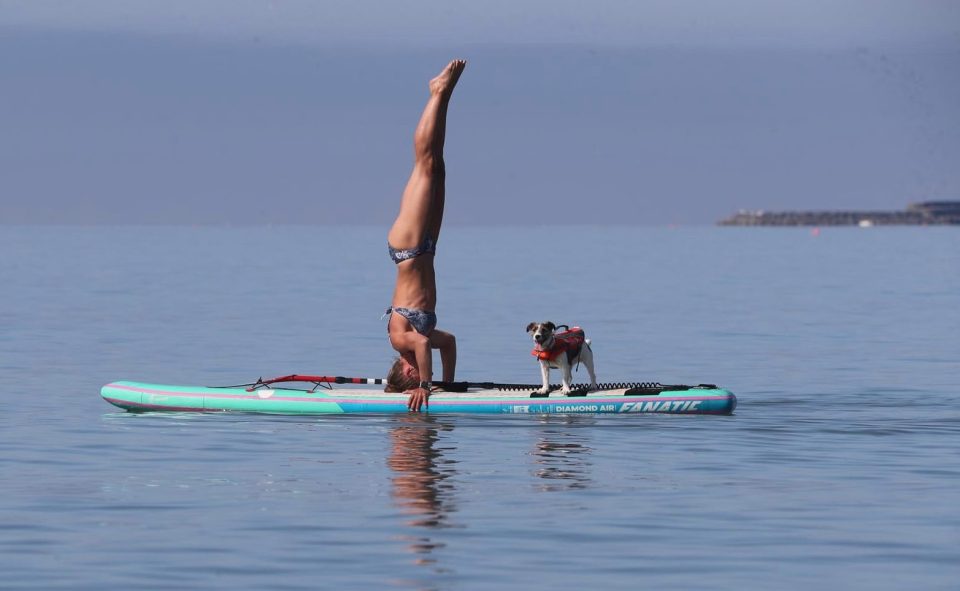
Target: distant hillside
(927,213)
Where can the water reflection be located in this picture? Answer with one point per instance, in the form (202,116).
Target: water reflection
(420,482)
(561,455)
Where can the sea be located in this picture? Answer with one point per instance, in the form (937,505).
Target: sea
(840,468)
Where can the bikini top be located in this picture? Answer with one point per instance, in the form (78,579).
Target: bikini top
(398,255)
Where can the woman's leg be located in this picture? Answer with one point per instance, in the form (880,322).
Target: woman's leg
(421,208)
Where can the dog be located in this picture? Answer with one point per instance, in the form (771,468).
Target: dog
(562,350)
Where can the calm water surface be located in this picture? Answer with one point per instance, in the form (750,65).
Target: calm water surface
(839,468)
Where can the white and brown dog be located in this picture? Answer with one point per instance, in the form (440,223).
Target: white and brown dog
(562,350)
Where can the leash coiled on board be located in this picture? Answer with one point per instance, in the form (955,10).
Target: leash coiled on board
(636,387)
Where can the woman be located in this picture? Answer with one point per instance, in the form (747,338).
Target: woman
(412,243)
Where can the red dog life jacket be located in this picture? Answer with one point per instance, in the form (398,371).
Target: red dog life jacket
(569,341)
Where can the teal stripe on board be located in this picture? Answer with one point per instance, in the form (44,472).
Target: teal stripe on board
(138,396)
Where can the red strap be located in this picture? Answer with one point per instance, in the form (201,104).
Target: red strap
(315,380)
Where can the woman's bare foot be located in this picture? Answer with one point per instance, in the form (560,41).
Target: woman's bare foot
(444,82)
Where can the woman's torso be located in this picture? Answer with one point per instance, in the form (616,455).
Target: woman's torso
(416,284)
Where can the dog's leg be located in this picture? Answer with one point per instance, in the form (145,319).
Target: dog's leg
(566,373)
(587,358)
(545,375)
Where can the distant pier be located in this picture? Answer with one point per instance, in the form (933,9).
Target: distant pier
(927,213)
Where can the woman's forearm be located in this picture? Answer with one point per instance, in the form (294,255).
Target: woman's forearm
(448,357)
(424,360)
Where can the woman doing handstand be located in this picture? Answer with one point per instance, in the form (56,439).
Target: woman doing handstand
(412,243)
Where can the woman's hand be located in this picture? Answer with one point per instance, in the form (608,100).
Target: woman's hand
(419,397)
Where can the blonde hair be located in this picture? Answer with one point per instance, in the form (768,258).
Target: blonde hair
(397,380)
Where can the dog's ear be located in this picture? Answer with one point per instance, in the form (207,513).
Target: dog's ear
(531,326)
(550,325)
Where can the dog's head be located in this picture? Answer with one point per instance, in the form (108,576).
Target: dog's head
(542,332)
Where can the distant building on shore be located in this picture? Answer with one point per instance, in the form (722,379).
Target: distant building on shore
(926,213)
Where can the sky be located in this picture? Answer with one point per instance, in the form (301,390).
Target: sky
(625,112)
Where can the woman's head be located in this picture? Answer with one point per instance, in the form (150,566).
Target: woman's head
(402,376)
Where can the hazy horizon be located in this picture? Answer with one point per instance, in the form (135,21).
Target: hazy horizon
(219,115)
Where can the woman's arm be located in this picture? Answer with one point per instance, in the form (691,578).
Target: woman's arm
(419,345)
(447,343)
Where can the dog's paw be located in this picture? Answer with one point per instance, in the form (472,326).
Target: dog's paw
(593,387)
(542,391)
(565,390)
